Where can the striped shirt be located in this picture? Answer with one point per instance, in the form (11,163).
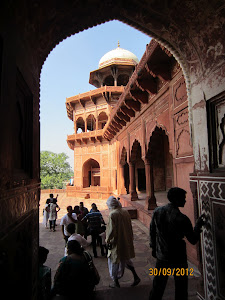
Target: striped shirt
(95,219)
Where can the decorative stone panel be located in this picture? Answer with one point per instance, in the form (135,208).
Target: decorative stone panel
(180,94)
(211,202)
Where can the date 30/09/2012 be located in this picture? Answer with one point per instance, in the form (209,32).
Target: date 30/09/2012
(173,272)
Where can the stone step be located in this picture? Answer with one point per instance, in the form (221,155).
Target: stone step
(132,211)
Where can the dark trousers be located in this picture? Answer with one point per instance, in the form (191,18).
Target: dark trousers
(94,239)
(52,224)
(160,281)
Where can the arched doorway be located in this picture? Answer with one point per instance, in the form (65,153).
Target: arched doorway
(91,173)
(137,169)
(162,160)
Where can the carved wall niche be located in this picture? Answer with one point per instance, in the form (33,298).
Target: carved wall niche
(182,134)
(179,92)
(183,143)
(216,131)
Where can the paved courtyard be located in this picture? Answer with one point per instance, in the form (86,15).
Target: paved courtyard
(142,261)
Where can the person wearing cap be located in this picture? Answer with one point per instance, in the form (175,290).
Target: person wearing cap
(167,231)
(119,240)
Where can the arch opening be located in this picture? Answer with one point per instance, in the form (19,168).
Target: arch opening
(139,167)
(123,79)
(162,160)
(91,173)
(80,125)
(109,81)
(102,120)
(91,123)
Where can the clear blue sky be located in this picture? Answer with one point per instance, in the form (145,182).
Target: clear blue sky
(65,73)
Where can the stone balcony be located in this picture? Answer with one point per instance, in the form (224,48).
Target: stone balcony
(84,138)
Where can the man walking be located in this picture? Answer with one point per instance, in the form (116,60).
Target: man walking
(84,211)
(95,220)
(70,217)
(167,230)
(119,239)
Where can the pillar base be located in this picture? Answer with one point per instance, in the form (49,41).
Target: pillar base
(150,202)
(133,196)
(123,191)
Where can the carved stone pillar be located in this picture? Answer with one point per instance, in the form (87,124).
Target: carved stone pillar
(75,126)
(133,192)
(150,202)
(122,186)
(114,72)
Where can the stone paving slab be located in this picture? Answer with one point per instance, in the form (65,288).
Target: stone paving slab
(143,261)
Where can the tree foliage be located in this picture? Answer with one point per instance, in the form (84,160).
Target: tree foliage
(55,170)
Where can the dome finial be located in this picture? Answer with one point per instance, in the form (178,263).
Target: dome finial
(118,44)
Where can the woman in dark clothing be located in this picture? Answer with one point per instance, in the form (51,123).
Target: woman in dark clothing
(73,277)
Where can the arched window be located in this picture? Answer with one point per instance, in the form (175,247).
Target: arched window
(102,120)
(91,123)
(80,125)
(109,81)
(122,79)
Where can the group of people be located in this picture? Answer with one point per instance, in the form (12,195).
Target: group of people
(168,229)
(79,223)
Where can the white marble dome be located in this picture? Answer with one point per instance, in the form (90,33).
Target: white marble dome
(118,55)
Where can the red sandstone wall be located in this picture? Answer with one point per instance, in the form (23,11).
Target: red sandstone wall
(168,110)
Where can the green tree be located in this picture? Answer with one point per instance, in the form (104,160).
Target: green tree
(55,170)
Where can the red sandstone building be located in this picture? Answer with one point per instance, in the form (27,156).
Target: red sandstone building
(132,133)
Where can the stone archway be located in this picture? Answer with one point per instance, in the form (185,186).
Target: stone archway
(137,170)
(162,160)
(91,173)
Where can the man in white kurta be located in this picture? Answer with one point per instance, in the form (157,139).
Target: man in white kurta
(119,238)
